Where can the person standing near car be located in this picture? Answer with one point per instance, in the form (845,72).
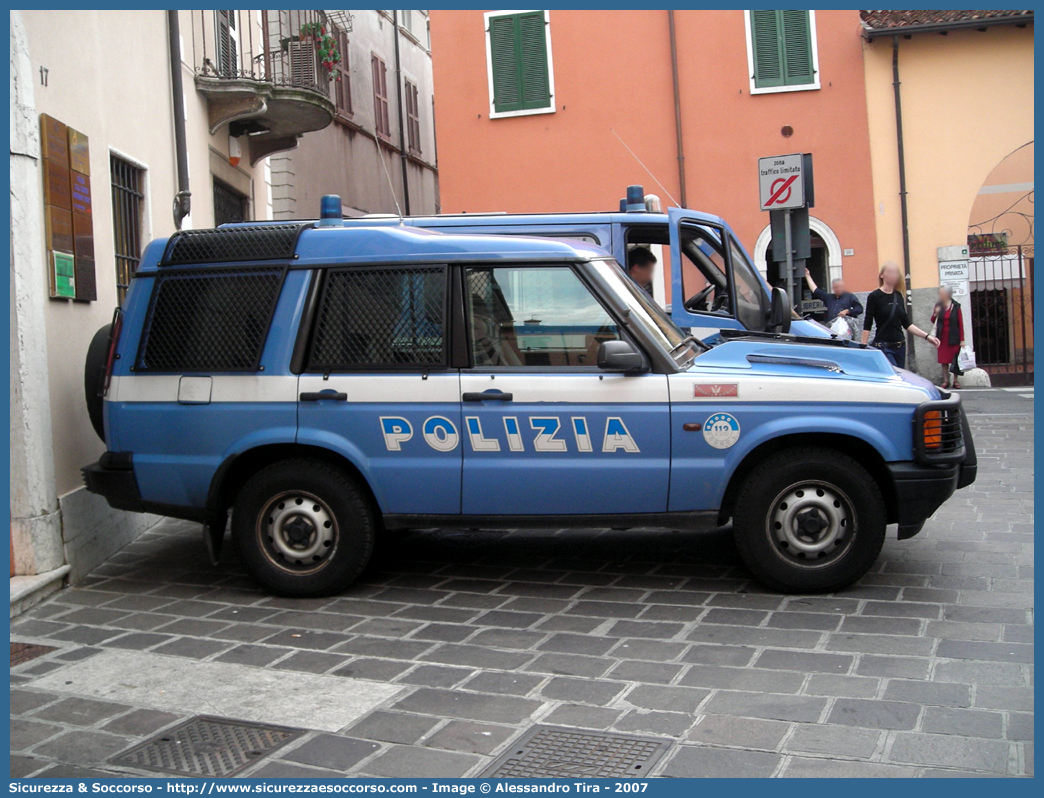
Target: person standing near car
(839,303)
(949,329)
(886,308)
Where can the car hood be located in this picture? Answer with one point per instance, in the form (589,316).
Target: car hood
(788,358)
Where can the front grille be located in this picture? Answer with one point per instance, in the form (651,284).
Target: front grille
(233,244)
(209,321)
(939,432)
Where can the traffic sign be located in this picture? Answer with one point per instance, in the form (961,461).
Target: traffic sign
(781,182)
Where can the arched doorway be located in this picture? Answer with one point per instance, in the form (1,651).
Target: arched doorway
(825,263)
(999,290)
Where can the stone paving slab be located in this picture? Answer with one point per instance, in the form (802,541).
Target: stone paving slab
(465,640)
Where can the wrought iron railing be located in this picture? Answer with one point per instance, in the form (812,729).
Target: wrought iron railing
(293,48)
(1002,311)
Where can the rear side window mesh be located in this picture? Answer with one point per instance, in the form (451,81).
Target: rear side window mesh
(209,321)
(380,318)
(232,244)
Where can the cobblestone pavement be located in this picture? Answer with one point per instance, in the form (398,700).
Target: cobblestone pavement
(923,669)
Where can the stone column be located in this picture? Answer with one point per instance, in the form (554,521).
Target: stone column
(36,526)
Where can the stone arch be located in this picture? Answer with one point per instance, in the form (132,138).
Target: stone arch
(817,226)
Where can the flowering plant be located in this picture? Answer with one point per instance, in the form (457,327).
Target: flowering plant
(325,43)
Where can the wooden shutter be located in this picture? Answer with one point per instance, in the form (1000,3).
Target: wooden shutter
(380,97)
(343,87)
(506,96)
(518,56)
(227,43)
(797,48)
(782,44)
(304,67)
(764,34)
(532,45)
(413,117)
(532,56)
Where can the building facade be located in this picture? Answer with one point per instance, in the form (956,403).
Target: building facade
(965,172)
(383,135)
(560,110)
(103,148)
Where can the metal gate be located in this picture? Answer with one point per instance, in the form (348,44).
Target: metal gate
(1001,294)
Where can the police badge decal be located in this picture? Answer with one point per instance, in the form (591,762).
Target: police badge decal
(721,430)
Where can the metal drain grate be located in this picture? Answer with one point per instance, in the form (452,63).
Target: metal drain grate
(205,746)
(552,752)
(23,652)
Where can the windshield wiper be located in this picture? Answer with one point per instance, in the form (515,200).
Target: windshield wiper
(691,339)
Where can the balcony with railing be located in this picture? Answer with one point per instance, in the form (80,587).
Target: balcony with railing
(266,74)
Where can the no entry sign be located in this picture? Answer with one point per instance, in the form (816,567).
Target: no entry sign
(781,182)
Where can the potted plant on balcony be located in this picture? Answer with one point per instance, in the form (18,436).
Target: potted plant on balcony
(325,44)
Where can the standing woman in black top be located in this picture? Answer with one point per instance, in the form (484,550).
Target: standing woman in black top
(887,308)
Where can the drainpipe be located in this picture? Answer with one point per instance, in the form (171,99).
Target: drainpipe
(402,132)
(183,199)
(902,197)
(677,110)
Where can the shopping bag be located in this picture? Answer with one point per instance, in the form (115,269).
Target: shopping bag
(966,358)
(840,328)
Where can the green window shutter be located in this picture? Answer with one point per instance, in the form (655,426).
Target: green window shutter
(797,48)
(506,95)
(518,56)
(532,50)
(782,43)
(765,39)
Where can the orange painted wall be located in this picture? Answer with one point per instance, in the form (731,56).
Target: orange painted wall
(612,71)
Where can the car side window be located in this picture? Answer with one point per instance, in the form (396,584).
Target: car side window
(384,318)
(751,302)
(704,271)
(535,316)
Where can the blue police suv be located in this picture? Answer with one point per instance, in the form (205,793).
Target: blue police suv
(324,382)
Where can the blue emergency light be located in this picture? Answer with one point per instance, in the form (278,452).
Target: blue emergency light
(330,211)
(635,199)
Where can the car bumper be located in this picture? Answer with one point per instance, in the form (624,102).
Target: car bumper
(112,477)
(921,489)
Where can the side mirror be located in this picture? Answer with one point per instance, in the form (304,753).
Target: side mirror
(781,312)
(619,356)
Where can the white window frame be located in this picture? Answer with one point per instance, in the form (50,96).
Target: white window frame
(813,86)
(489,66)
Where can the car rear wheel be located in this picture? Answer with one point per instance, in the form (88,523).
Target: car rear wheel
(809,521)
(304,528)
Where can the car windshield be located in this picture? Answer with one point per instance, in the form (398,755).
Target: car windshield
(644,311)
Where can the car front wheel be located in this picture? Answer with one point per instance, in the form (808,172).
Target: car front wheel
(303,528)
(809,520)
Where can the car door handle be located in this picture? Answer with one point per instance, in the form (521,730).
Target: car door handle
(315,396)
(486,396)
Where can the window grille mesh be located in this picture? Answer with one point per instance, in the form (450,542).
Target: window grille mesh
(380,318)
(222,245)
(214,321)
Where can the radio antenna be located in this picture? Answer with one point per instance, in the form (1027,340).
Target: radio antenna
(646,168)
(391,185)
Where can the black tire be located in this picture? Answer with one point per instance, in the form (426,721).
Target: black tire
(809,520)
(94,378)
(322,528)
